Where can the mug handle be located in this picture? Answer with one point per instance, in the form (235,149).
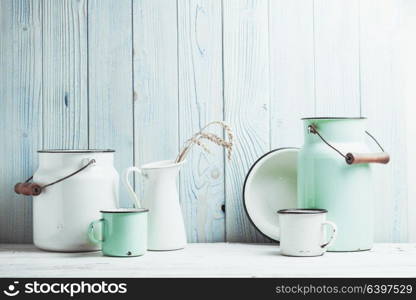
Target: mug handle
(132,194)
(91,231)
(334,233)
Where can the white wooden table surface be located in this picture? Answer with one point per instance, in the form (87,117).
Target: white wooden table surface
(210,260)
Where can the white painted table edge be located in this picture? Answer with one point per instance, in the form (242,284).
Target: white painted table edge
(210,260)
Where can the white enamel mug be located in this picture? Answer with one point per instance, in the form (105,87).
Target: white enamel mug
(303,232)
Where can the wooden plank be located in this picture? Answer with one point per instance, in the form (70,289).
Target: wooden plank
(20,113)
(65,99)
(201,101)
(210,260)
(405,36)
(291,70)
(111,82)
(337,84)
(155,80)
(246,103)
(383,103)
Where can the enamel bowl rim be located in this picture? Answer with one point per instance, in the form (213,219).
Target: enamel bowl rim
(250,172)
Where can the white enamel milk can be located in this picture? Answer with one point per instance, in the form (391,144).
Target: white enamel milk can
(69,189)
(334,173)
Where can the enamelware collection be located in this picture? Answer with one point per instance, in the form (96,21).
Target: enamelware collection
(288,193)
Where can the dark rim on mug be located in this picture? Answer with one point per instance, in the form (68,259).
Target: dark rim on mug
(302,211)
(334,118)
(75,150)
(124,210)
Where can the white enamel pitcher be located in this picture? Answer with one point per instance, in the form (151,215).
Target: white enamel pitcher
(166,229)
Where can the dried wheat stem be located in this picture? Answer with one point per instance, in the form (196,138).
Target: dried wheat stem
(197,137)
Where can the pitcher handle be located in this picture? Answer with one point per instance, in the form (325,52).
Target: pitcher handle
(132,194)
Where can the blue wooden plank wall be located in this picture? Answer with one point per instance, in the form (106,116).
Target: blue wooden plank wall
(141,76)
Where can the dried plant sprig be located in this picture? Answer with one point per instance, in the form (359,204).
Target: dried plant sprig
(199,143)
(197,137)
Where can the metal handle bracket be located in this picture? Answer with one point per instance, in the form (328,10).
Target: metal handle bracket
(356,158)
(34,189)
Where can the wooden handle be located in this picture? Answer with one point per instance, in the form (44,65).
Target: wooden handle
(28,189)
(366,158)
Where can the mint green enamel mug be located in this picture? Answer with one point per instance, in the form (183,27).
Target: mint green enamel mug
(123,231)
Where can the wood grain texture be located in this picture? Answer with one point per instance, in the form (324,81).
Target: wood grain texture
(110,82)
(246,103)
(407,50)
(20,112)
(210,260)
(201,101)
(337,84)
(141,76)
(381,82)
(65,96)
(155,80)
(292,94)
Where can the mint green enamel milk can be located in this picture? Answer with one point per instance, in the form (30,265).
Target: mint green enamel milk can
(334,173)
